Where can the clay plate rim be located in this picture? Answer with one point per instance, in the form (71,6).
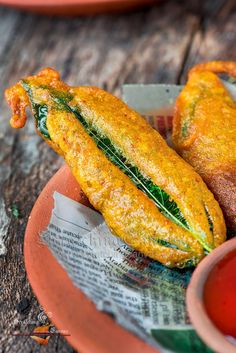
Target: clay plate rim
(77,7)
(199,318)
(70,2)
(90,331)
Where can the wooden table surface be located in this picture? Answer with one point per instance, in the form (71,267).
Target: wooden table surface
(158,44)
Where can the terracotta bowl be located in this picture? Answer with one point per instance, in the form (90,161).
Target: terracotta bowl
(196,309)
(76,7)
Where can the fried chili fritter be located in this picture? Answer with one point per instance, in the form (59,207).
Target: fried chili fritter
(204,132)
(148,195)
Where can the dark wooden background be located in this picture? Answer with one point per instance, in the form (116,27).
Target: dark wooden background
(158,44)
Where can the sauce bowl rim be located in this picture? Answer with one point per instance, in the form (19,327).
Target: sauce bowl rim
(200,320)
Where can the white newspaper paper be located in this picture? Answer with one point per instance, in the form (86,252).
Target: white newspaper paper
(143,296)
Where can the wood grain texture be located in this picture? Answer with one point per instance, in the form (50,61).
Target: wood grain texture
(155,45)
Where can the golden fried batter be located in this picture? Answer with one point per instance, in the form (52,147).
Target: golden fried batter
(204,132)
(148,195)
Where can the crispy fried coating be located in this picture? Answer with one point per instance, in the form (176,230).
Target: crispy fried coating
(72,114)
(204,132)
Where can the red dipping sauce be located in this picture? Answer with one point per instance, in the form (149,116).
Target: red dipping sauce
(220,295)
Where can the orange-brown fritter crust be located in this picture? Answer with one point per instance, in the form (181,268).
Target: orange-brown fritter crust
(222,182)
(127,210)
(18,101)
(204,132)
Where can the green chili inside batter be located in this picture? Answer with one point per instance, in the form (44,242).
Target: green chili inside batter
(167,206)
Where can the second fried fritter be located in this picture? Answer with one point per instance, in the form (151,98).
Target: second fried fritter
(205,132)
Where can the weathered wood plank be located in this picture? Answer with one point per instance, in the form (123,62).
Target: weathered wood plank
(154,45)
(215,38)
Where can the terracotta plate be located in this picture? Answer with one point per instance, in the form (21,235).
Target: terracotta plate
(90,331)
(76,7)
